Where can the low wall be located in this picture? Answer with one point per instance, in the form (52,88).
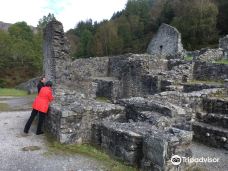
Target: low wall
(142,145)
(71,120)
(198,87)
(214,105)
(210,71)
(89,67)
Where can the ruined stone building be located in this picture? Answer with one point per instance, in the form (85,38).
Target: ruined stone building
(167,42)
(140,108)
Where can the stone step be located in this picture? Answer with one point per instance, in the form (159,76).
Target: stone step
(210,135)
(219,120)
(108,87)
(215,105)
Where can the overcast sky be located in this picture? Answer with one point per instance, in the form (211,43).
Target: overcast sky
(69,12)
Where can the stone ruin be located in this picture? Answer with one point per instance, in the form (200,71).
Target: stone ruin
(223,43)
(140,108)
(167,42)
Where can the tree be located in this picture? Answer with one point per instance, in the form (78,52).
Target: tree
(223,17)
(5,49)
(84,31)
(196,20)
(124,32)
(21,30)
(106,40)
(44,21)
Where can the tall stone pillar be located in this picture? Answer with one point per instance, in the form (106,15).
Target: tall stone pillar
(56,53)
(223,43)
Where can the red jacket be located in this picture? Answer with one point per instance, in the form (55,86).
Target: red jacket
(43,99)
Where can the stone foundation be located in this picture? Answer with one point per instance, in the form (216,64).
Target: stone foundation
(133,105)
(143,145)
(210,71)
(211,128)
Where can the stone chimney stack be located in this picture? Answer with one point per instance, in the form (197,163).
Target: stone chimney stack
(56,52)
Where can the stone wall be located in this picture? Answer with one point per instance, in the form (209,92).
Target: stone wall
(135,130)
(143,145)
(210,55)
(56,53)
(210,71)
(167,42)
(206,54)
(223,43)
(30,86)
(215,105)
(212,123)
(119,76)
(199,86)
(71,121)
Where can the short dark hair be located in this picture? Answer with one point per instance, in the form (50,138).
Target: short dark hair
(41,78)
(48,84)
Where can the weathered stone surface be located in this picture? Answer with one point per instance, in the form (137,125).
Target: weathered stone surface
(73,123)
(210,71)
(199,86)
(140,143)
(108,87)
(214,105)
(215,119)
(210,135)
(176,62)
(211,126)
(210,55)
(56,52)
(223,43)
(30,86)
(167,42)
(146,107)
(158,148)
(142,104)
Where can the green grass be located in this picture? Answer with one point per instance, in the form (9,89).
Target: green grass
(188,58)
(223,61)
(12,92)
(55,147)
(103,99)
(205,82)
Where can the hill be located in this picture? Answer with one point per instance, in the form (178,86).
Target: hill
(201,23)
(4,26)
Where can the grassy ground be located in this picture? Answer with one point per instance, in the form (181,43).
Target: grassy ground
(12,92)
(188,58)
(4,107)
(18,95)
(205,82)
(223,61)
(55,147)
(103,99)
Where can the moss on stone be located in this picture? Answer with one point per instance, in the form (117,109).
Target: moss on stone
(88,150)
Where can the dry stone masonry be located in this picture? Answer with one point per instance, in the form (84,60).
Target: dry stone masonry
(167,42)
(223,43)
(140,108)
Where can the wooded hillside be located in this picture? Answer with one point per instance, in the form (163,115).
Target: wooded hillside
(201,23)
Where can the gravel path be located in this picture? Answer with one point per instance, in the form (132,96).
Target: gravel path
(200,150)
(17,103)
(14,145)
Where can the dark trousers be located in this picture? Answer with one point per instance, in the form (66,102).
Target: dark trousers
(30,120)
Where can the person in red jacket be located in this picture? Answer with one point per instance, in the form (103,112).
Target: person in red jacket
(40,105)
